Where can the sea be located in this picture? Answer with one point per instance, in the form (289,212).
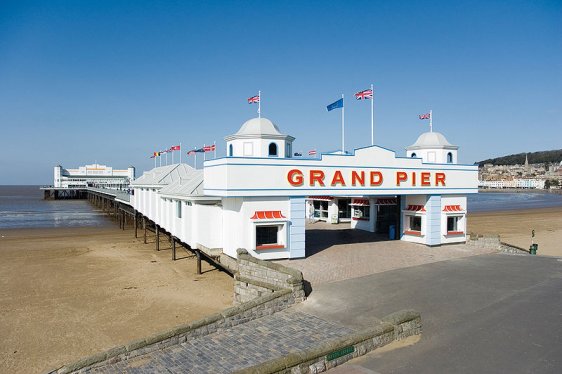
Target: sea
(24,207)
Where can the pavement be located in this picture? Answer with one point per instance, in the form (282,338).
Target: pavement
(483,314)
(336,252)
(239,347)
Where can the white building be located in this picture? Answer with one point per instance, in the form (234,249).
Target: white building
(94,175)
(259,198)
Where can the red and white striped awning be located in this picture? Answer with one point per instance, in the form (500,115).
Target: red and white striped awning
(392,201)
(268,214)
(453,208)
(323,198)
(360,202)
(416,208)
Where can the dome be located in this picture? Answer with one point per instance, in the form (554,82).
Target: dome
(431,140)
(258,126)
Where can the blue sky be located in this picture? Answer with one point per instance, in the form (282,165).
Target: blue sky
(113,81)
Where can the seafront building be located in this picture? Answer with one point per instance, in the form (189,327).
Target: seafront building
(260,198)
(94,175)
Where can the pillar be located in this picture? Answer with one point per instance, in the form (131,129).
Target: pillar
(433,220)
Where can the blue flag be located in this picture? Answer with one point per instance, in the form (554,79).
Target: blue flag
(335,105)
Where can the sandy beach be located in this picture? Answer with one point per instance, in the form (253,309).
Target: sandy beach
(514,227)
(67,293)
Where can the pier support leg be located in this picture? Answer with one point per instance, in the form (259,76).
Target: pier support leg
(144,227)
(136,222)
(198,254)
(173,249)
(157,238)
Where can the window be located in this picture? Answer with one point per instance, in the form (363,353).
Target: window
(361,213)
(178,209)
(272,149)
(413,155)
(320,209)
(453,225)
(266,235)
(415,223)
(288,150)
(449,158)
(344,208)
(230,150)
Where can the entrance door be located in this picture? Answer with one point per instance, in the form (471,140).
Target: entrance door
(344,209)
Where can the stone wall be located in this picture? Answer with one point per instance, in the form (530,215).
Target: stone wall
(494,242)
(256,278)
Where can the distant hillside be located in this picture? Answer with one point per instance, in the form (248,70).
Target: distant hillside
(534,158)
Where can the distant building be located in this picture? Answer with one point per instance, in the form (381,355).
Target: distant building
(94,175)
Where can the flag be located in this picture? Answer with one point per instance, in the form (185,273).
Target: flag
(196,150)
(165,151)
(364,95)
(336,104)
(192,152)
(425,116)
(312,152)
(156,154)
(254,99)
(175,148)
(153,156)
(209,148)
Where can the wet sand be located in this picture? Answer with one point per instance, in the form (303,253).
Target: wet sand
(67,293)
(514,227)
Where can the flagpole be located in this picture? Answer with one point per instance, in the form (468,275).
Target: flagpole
(204,153)
(342,125)
(430,120)
(166,158)
(160,159)
(215,148)
(372,115)
(154,161)
(180,152)
(259,104)
(195,164)
(173,157)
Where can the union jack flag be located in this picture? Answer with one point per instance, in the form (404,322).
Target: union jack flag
(425,116)
(312,152)
(254,99)
(364,95)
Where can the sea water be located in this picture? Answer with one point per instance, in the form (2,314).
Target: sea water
(24,207)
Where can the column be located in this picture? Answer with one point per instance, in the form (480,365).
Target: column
(433,220)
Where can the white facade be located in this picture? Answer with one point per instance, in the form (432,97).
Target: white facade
(261,201)
(94,175)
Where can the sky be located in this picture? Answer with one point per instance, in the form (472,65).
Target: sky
(113,81)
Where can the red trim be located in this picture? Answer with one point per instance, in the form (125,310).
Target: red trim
(270,246)
(455,232)
(359,219)
(415,233)
(416,208)
(387,201)
(268,214)
(360,202)
(452,208)
(323,198)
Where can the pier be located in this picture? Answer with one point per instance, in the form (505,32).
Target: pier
(117,205)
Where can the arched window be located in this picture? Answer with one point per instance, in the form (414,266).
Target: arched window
(413,155)
(230,150)
(272,149)
(449,158)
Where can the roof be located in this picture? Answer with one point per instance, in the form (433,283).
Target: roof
(431,140)
(259,128)
(191,186)
(164,175)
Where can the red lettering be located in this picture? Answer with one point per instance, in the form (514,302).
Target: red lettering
(358,177)
(376,178)
(295,177)
(425,179)
(439,179)
(338,178)
(401,177)
(413,178)
(317,176)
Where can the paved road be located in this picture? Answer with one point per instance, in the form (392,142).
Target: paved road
(482,314)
